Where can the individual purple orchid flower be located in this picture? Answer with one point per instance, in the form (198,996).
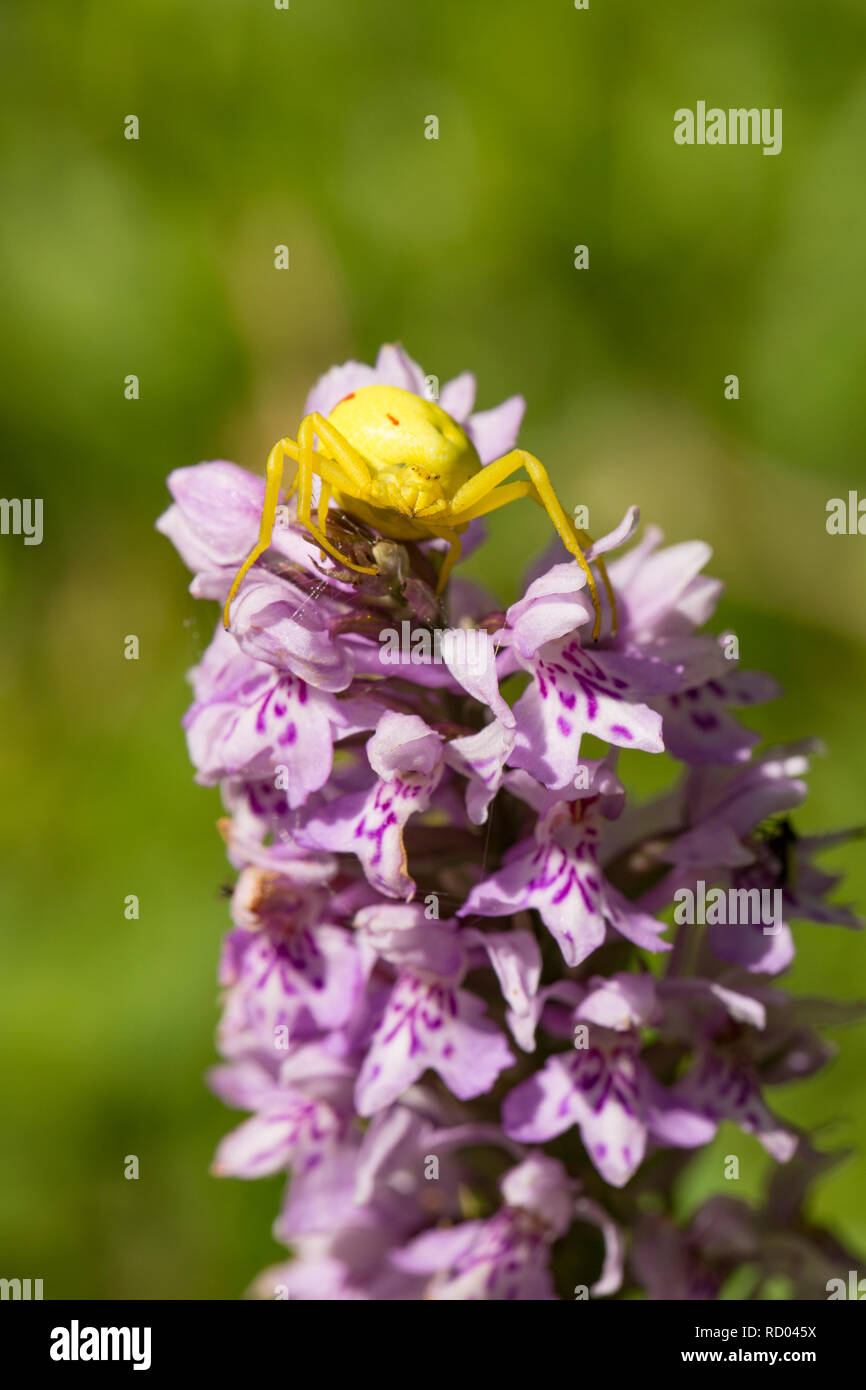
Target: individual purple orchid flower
(259,831)
(300,1116)
(285,967)
(428,1020)
(406,759)
(577,692)
(252,719)
(724,1089)
(603,1087)
(557,872)
(698,727)
(506,1256)
(576,688)
(290,1128)
(662,598)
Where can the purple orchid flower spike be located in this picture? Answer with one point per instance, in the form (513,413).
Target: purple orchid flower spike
(456,1015)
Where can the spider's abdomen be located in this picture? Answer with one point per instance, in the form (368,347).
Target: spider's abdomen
(418,456)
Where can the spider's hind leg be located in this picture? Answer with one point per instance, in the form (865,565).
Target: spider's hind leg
(468,502)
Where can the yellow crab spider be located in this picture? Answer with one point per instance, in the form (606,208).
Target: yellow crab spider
(400,464)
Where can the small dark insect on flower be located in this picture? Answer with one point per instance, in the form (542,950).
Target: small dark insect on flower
(780,837)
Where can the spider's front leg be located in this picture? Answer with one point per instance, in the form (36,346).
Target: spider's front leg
(482,494)
(452,555)
(276,458)
(349,474)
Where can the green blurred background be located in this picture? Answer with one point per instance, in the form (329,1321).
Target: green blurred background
(156,257)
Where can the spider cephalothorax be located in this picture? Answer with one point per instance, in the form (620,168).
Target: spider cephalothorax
(418,458)
(400,464)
